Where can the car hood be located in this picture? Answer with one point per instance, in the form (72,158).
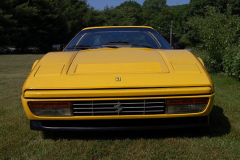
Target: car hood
(117,68)
(117,62)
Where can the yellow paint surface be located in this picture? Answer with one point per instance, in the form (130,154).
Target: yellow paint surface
(185,67)
(117,68)
(50,70)
(145,73)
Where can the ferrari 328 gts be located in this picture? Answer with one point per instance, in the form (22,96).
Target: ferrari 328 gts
(117,78)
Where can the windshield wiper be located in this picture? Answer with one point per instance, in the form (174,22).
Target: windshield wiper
(81,47)
(143,45)
(118,42)
(114,44)
(110,46)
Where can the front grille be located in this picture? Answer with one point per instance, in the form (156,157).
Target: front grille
(119,107)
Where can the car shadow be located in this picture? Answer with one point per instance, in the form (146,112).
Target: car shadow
(219,126)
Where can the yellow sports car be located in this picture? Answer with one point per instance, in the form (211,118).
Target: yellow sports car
(117,78)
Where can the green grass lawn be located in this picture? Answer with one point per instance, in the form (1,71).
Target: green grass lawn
(221,140)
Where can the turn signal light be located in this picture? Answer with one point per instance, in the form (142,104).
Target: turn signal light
(186,105)
(48,109)
(186,101)
(49,104)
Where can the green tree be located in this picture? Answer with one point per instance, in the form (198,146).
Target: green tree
(6,23)
(158,15)
(151,9)
(127,13)
(217,32)
(113,16)
(41,23)
(131,12)
(72,13)
(235,5)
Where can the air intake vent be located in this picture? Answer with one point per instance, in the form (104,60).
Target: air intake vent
(119,107)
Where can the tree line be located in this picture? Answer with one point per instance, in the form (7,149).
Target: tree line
(210,25)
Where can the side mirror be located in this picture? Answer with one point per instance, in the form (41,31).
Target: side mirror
(179,45)
(57,47)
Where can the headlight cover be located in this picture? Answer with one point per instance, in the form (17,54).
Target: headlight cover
(186,105)
(51,109)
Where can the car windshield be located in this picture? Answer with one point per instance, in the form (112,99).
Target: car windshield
(117,38)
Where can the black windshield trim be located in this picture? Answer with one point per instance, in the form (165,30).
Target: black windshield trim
(167,46)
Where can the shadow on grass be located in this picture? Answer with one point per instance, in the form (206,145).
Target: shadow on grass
(219,126)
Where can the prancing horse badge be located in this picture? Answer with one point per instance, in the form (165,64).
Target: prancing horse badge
(118,79)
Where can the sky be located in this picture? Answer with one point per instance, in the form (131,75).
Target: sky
(100,4)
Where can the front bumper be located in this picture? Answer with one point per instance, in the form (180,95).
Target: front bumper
(206,112)
(126,124)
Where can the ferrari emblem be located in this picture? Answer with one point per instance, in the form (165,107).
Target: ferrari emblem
(118,79)
(118,107)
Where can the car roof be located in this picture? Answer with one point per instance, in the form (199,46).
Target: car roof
(117,27)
